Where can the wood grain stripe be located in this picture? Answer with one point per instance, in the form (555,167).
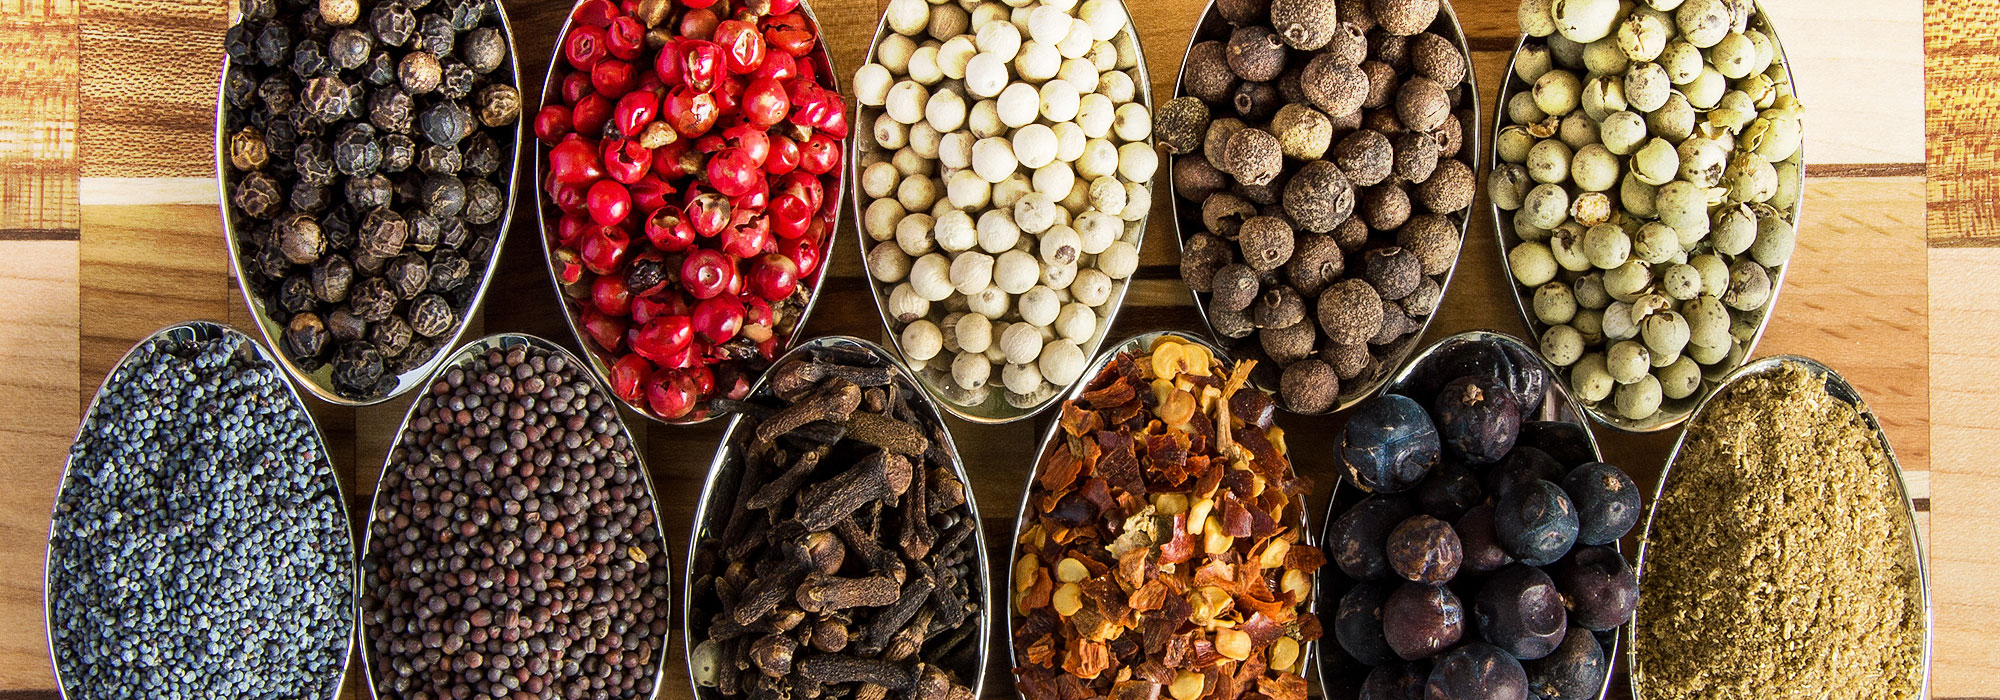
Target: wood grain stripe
(38,234)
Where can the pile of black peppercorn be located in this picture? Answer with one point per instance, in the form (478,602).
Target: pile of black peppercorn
(1321,143)
(198,548)
(513,551)
(370,145)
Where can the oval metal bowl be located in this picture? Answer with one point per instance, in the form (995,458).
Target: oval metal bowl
(1672,411)
(458,358)
(1052,441)
(191,332)
(1840,389)
(994,409)
(547,216)
(719,491)
(319,382)
(1337,670)
(1187,214)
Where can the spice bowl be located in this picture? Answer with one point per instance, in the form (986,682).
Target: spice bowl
(1746,328)
(568,232)
(531,483)
(989,401)
(1838,388)
(1341,675)
(1036,511)
(480,246)
(194,332)
(1378,360)
(890,610)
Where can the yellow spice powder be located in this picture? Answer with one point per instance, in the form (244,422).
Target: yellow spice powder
(1780,564)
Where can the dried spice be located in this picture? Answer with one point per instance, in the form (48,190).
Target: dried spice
(1782,555)
(846,563)
(1161,554)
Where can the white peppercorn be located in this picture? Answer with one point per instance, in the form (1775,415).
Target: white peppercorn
(970,370)
(1058,277)
(1015,272)
(1057,180)
(1589,379)
(1532,263)
(922,340)
(1562,345)
(967,190)
(1062,361)
(880,180)
(871,85)
(930,277)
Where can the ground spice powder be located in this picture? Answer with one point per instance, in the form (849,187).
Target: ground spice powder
(1780,565)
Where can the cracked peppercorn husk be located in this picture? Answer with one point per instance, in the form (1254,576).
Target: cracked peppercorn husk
(575,599)
(1783,552)
(360,116)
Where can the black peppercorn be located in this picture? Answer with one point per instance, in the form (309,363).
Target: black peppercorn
(390,110)
(483,245)
(405,192)
(327,99)
(453,233)
(369,264)
(331,277)
(466,14)
(276,94)
(483,202)
(239,88)
(305,336)
(394,24)
(270,263)
(456,81)
(440,160)
(399,152)
(408,274)
(381,69)
(344,326)
(424,232)
(355,152)
(247,150)
(358,368)
(499,105)
(444,196)
(436,35)
(236,43)
(382,234)
(338,225)
(314,161)
(295,295)
(300,239)
(391,336)
(372,299)
(309,59)
(310,198)
(419,72)
(280,139)
(257,10)
(483,49)
(274,44)
(369,192)
(481,156)
(448,271)
(431,316)
(446,124)
(257,195)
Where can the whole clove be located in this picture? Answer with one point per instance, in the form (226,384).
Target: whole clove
(842,567)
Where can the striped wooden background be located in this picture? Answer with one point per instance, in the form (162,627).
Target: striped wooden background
(108,230)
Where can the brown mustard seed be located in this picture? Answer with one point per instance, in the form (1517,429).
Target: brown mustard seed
(1416,156)
(1278,307)
(1393,271)
(1208,74)
(1180,124)
(1223,213)
(1435,57)
(1201,256)
(1253,156)
(1449,189)
(1385,207)
(1195,179)
(1234,287)
(1350,312)
(1266,242)
(1785,491)
(1303,132)
(1333,88)
(1319,198)
(1421,104)
(1215,141)
(1309,386)
(1365,156)
(1432,240)
(1289,344)
(1317,261)
(1306,25)
(1404,17)
(1242,12)
(1255,53)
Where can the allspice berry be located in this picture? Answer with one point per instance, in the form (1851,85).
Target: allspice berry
(1303,132)
(1278,307)
(1223,213)
(1349,45)
(1266,242)
(1416,156)
(1392,271)
(1255,53)
(1317,261)
(1207,73)
(1180,124)
(1234,325)
(1201,256)
(1435,57)
(1306,25)
(1195,179)
(1365,156)
(1255,101)
(1350,312)
(1382,84)
(1395,325)
(1309,386)
(1348,361)
(1253,156)
(1385,207)
(1289,344)
(1243,11)
(1233,288)
(1449,189)
(1356,12)
(1319,198)
(1423,301)
(1333,88)
(1404,17)
(1422,104)
(1215,141)
(1432,240)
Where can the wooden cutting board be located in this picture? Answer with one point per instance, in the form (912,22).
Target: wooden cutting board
(93,264)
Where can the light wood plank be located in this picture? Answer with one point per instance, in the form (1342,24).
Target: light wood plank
(1961,56)
(38,346)
(1966,368)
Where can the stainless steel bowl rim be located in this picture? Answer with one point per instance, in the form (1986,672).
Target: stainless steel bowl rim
(726,459)
(273,332)
(1503,232)
(1209,23)
(1002,412)
(1840,389)
(460,356)
(1138,345)
(188,331)
(597,365)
